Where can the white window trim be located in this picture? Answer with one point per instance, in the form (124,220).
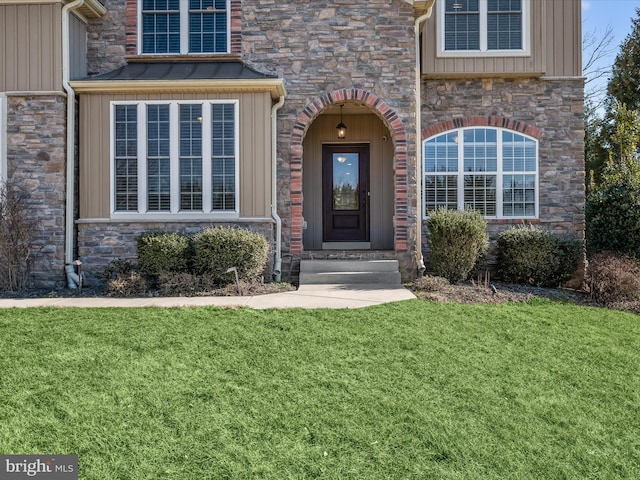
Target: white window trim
(499,173)
(184,32)
(142,213)
(484,52)
(3,137)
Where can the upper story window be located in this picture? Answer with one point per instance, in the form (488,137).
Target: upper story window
(184,26)
(491,170)
(486,27)
(175,158)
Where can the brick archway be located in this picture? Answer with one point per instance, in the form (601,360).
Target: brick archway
(481,121)
(399,137)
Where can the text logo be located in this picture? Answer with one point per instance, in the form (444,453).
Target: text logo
(45,467)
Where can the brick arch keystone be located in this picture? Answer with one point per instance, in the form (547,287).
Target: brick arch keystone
(482,121)
(400,158)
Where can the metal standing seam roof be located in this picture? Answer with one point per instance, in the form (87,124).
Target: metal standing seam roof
(181,70)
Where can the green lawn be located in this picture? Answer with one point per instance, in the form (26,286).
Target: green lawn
(407,390)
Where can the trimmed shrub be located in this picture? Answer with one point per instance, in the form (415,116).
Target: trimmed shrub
(613,277)
(534,256)
(218,249)
(169,252)
(457,242)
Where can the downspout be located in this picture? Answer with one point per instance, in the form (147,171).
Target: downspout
(277,264)
(420,179)
(72,279)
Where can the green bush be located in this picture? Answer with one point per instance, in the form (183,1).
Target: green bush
(534,256)
(218,249)
(168,252)
(613,217)
(457,242)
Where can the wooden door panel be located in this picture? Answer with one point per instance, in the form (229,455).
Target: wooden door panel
(345,192)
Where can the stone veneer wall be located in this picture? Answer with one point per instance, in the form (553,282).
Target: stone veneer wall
(107,39)
(36,152)
(101,242)
(328,52)
(550,109)
(319,47)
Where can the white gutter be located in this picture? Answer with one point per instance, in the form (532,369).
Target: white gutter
(277,264)
(71,117)
(420,179)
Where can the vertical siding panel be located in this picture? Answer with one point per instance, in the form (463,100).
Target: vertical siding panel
(33,37)
(3,45)
(22,51)
(255,155)
(539,36)
(102,105)
(56,72)
(12,48)
(31,47)
(555,44)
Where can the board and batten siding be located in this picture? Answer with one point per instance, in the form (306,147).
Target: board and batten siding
(77,48)
(366,128)
(254,150)
(31,47)
(556,47)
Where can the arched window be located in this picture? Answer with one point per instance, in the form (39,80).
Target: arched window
(492,170)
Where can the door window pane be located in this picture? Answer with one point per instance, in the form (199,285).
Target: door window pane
(346,181)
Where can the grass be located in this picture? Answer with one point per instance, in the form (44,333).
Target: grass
(408,390)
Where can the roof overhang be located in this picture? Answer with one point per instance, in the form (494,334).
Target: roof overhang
(90,8)
(421,6)
(274,86)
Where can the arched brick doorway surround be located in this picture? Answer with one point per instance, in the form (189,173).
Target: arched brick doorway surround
(399,137)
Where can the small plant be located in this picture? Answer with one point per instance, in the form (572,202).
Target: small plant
(613,277)
(531,255)
(430,283)
(219,249)
(132,284)
(158,252)
(457,241)
(17,232)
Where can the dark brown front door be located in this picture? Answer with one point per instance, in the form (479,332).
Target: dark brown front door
(345,193)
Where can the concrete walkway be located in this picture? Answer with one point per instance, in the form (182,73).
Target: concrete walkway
(307,296)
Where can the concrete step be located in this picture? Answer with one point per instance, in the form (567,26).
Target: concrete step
(323,272)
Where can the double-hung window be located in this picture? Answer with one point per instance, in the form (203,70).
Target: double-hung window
(175,158)
(184,26)
(489,27)
(492,170)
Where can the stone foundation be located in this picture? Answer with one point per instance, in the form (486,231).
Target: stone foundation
(101,242)
(36,152)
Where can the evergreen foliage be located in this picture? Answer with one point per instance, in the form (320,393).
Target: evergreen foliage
(624,84)
(458,240)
